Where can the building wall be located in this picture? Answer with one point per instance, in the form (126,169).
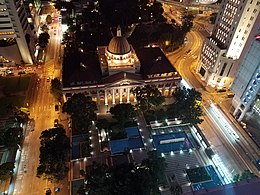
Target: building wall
(14,24)
(232,28)
(246,84)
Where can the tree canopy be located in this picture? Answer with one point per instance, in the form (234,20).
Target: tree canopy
(11,136)
(244,176)
(43,39)
(187,105)
(82,109)
(148,97)
(56,88)
(6,171)
(54,150)
(129,179)
(123,113)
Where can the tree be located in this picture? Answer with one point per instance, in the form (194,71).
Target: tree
(56,88)
(244,176)
(82,109)
(187,23)
(123,113)
(187,105)
(6,171)
(176,189)
(148,97)
(121,179)
(54,151)
(43,39)
(102,124)
(13,136)
(98,179)
(157,166)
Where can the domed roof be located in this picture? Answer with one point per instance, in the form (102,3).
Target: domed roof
(119,45)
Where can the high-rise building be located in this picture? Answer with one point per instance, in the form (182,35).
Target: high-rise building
(16,37)
(246,85)
(220,51)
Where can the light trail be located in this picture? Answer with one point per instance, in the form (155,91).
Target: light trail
(217,117)
(220,119)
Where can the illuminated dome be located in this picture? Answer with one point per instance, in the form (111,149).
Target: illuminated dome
(119,45)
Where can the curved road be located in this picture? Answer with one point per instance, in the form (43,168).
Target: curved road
(236,155)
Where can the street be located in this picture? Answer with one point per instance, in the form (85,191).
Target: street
(237,155)
(41,105)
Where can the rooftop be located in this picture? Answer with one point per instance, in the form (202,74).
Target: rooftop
(154,61)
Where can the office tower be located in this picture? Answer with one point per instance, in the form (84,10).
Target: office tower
(16,37)
(232,28)
(246,83)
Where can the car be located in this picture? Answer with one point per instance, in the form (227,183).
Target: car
(56,107)
(38,81)
(221,90)
(48,79)
(21,72)
(56,123)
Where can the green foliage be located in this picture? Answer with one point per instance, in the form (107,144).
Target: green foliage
(102,124)
(82,111)
(187,105)
(6,171)
(123,113)
(43,39)
(157,166)
(213,18)
(129,179)
(54,151)
(244,176)
(148,97)
(176,189)
(11,137)
(56,88)
(187,23)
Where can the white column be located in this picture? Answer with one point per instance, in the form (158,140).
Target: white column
(170,90)
(113,96)
(163,90)
(120,96)
(98,98)
(135,100)
(128,95)
(106,103)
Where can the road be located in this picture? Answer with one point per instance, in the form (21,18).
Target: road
(41,105)
(237,155)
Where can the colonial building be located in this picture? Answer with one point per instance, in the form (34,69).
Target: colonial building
(111,76)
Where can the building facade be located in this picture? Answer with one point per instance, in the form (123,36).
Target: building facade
(119,69)
(220,51)
(246,85)
(16,36)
